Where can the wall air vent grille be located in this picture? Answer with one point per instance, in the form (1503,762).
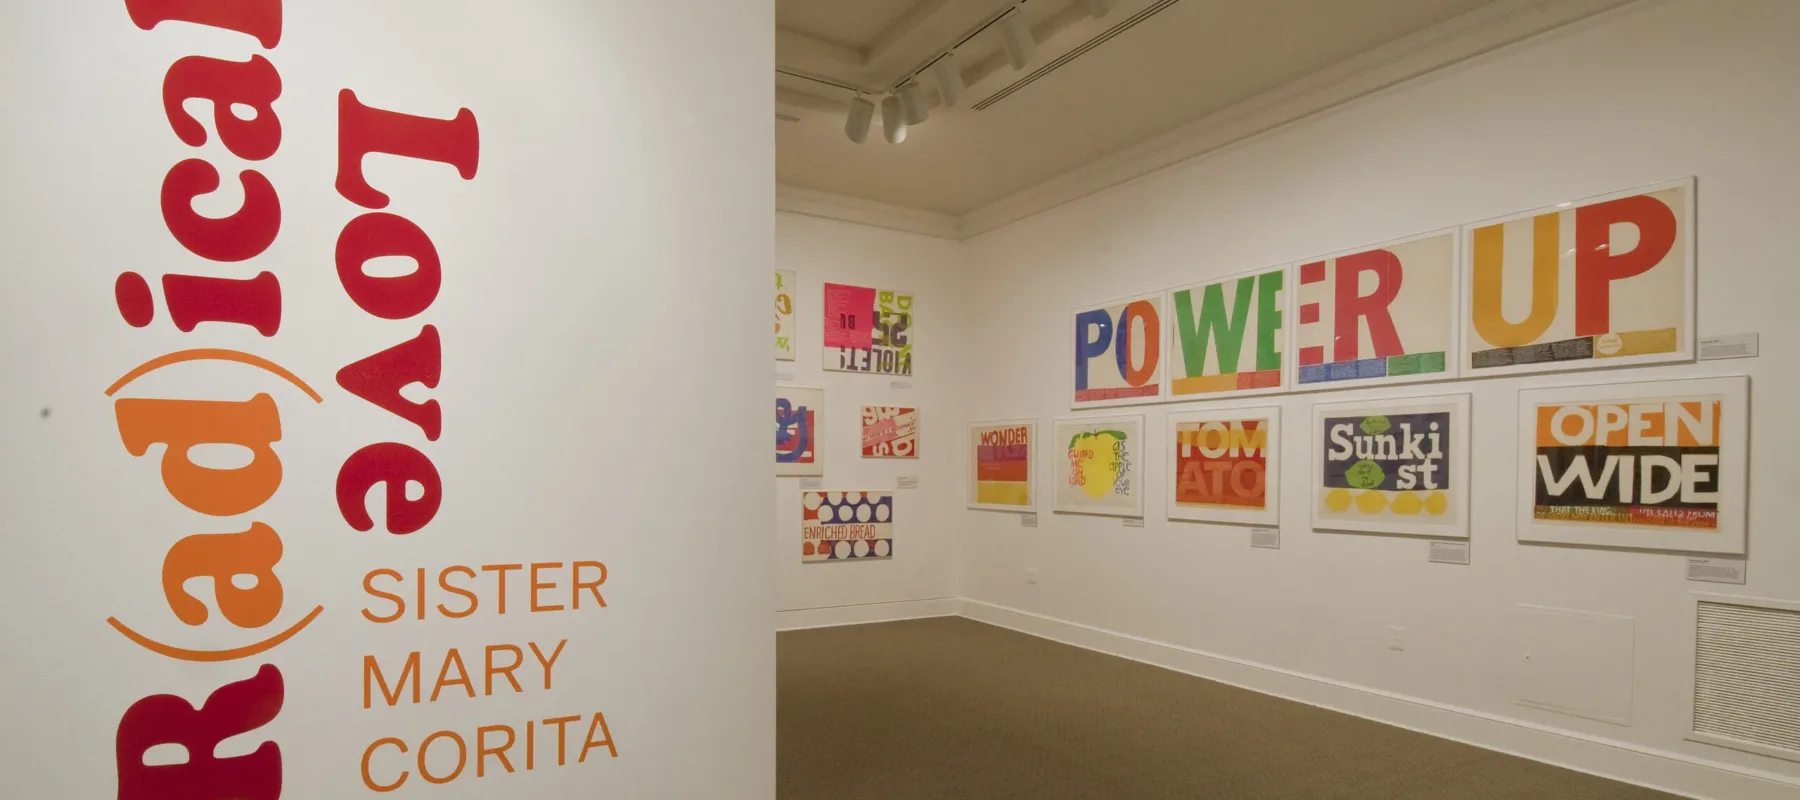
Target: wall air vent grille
(1127,24)
(1747,677)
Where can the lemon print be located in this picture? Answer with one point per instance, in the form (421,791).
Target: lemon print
(1436,504)
(1371,502)
(1096,456)
(1338,499)
(1407,503)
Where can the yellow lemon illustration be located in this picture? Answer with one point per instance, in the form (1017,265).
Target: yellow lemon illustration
(1436,504)
(1407,503)
(1098,457)
(1338,499)
(1371,502)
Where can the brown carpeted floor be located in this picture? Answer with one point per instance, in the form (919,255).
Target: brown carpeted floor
(951,708)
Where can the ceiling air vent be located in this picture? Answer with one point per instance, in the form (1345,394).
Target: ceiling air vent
(1127,24)
(1747,675)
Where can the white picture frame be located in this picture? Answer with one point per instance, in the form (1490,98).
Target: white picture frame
(1118,494)
(1472,343)
(1006,488)
(885,320)
(1105,361)
(814,401)
(1295,330)
(840,526)
(1344,508)
(1567,425)
(1173,352)
(1269,513)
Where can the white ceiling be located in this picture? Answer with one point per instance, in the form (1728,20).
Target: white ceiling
(1188,61)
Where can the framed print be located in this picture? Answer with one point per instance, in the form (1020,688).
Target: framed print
(1100,465)
(868,330)
(784,315)
(890,432)
(1392,466)
(797,415)
(1117,350)
(1223,465)
(1376,316)
(1660,465)
(1001,454)
(1225,336)
(846,526)
(1602,282)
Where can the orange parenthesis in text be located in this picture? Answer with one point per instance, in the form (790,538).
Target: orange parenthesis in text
(213,354)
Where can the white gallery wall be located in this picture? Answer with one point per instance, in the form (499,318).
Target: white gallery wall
(1658,90)
(566,414)
(926,518)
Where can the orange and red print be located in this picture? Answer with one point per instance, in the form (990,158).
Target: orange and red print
(890,432)
(1602,282)
(1223,465)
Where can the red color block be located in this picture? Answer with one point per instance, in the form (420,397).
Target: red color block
(1310,356)
(849,316)
(1309,313)
(1259,380)
(1313,272)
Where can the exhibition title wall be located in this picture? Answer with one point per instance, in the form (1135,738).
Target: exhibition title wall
(325,479)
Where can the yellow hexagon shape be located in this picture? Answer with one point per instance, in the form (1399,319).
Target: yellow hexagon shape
(1371,502)
(1436,504)
(1407,503)
(1338,499)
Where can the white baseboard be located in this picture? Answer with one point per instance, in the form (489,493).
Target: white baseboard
(833,616)
(1676,773)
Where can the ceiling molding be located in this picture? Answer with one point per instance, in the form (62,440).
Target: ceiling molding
(1490,28)
(806,53)
(810,202)
(801,99)
(1484,30)
(888,41)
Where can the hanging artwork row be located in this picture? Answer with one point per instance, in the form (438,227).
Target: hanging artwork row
(1657,465)
(1605,281)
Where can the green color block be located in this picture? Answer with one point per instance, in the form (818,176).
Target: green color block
(1365,474)
(1415,364)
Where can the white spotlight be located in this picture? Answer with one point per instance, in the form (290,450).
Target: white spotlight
(893,125)
(856,124)
(1020,46)
(1098,8)
(912,106)
(949,79)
